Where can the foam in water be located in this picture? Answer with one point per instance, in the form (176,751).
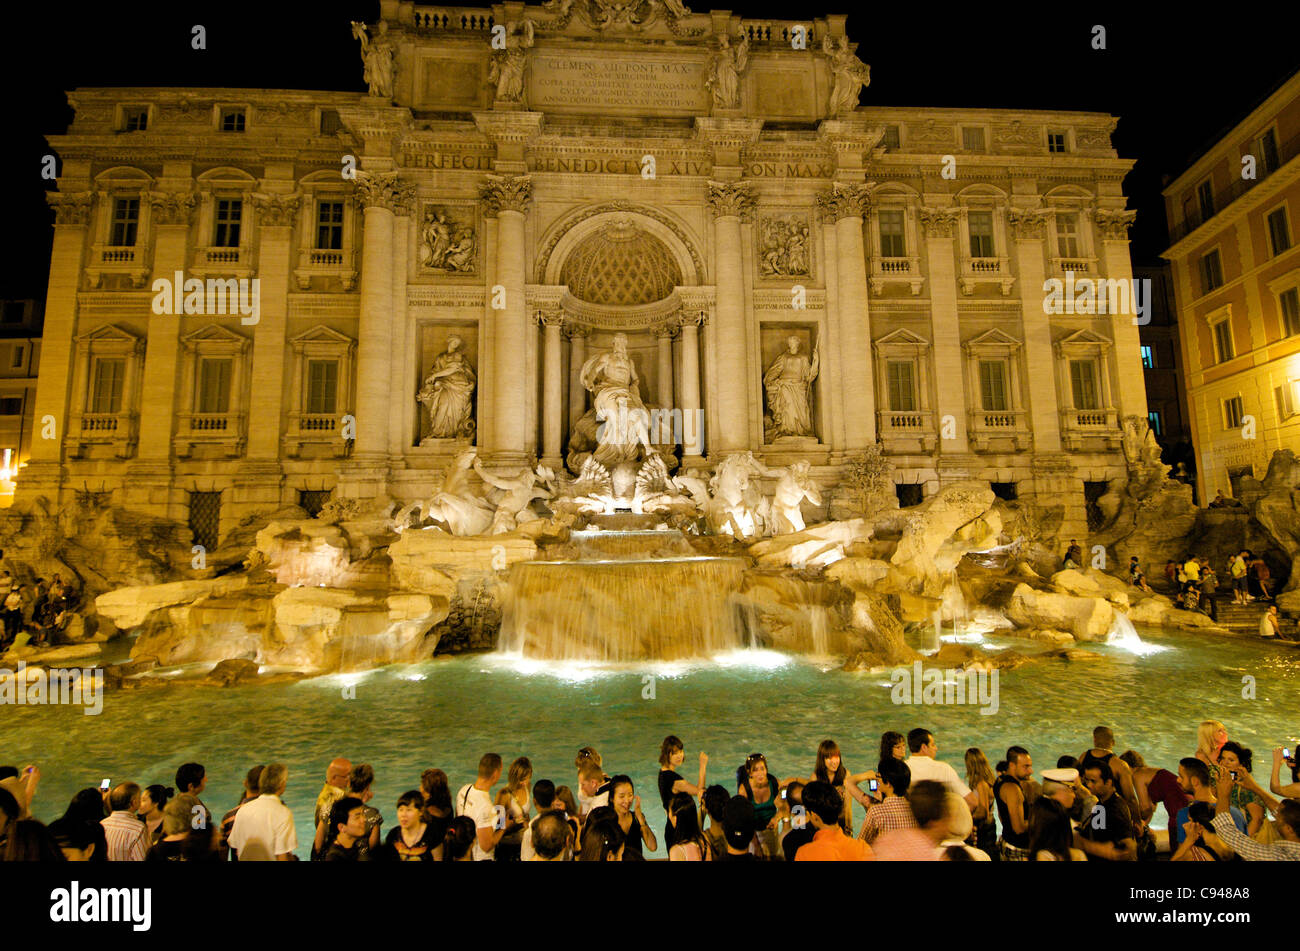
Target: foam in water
(1124,635)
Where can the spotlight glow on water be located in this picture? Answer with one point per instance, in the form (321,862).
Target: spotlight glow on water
(581,671)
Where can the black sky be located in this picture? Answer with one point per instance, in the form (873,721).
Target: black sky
(1175,81)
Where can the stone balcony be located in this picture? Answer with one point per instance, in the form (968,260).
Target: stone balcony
(998,430)
(131,261)
(224,262)
(314,434)
(117,430)
(906,431)
(1082,267)
(326,263)
(220,434)
(977,271)
(1090,429)
(885,271)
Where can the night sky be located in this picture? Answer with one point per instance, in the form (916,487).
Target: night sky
(1176,83)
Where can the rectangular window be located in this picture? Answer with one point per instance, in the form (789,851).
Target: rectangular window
(322,386)
(232,120)
(106,385)
(902,386)
(1189,209)
(330,122)
(1153,419)
(1211,272)
(1265,152)
(993,385)
(1232,413)
(1205,196)
(1067,235)
(1148,358)
(1083,384)
(16,358)
(329,225)
(229,213)
(1056,141)
(1286,398)
(1223,349)
(135,119)
(1290,299)
(214,385)
(126,219)
(893,241)
(11,406)
(1279,232)
(890,139)
(981,233)
(972,139)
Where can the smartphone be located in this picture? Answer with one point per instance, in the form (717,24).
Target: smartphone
(873,785)
(782,793)
(1233,774)
(104,784)
(1286,753)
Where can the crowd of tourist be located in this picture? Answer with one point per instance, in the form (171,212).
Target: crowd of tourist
(35,613)
(1097,806)
(1196,585)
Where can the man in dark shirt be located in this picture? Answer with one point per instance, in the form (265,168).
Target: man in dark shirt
(737,831)
(349,819)
(801,830)
(1108,834)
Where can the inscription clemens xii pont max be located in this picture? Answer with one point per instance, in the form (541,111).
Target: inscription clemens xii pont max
(659,84)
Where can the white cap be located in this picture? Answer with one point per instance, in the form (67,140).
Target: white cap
(1066,775)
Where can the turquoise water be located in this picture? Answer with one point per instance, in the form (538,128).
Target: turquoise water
(448,712)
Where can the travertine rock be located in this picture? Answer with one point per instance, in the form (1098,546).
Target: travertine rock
(1088,618)
(128,607)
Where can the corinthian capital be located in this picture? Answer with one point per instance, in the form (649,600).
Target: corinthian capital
(939,222)
(70,208)
(1114,225)
(276,210)
(507,193)
(172,208)
(1026,223)
(845,201)
(378,190)
(732,198)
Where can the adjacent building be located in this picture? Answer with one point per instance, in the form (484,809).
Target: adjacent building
(533,181)
(20,355)
(1236,273)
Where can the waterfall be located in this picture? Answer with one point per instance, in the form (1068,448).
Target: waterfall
(623,610)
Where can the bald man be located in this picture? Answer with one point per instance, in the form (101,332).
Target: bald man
(336,784)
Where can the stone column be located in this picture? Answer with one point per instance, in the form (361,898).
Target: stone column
(277,215)
(847,204)
(939,226)
(552,390)
(378,194)
(507,199)
(577,357)
(692,422)
(171,213)
(1129,394)
(1027,229)
(664,391)
(731,203)
(43,473)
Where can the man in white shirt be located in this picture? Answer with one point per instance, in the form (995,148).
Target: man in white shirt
(593,790)
(127,837)
(545,801)
(475,801)
(263,829)
(924,766)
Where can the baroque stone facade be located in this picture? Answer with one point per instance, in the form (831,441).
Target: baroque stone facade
(706,186)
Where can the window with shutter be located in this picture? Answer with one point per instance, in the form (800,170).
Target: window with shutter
(902,388)
(893,243)
(322,386)
(1083,384)
(981,234)
(106,388)
(993,385)
(214,385)
(1291,311)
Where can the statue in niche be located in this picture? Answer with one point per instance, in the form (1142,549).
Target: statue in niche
(785,247)
(446,244)
(520,491)
(376,58)
(850,74)
(615,395)
(507,70)
(447,393)
(794,485)
(788,382)
(724,71)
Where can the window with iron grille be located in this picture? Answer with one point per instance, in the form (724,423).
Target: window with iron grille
(329,225)
(126,220)
(909,494)
(893,240)
(312,501)
(205,518)
(981,233)
(106,385)
(890,139)
(972,138)
(230,211)
(330,122)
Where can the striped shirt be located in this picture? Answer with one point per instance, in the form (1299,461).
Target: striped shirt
(127,837)
(1251,850)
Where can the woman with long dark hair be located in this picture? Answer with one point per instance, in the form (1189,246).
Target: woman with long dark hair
(637,834)
(831,769)
(689,844)
(1233,757)
(1051,837)
(755,783)
(980,779)
(672,753)
(152,803)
